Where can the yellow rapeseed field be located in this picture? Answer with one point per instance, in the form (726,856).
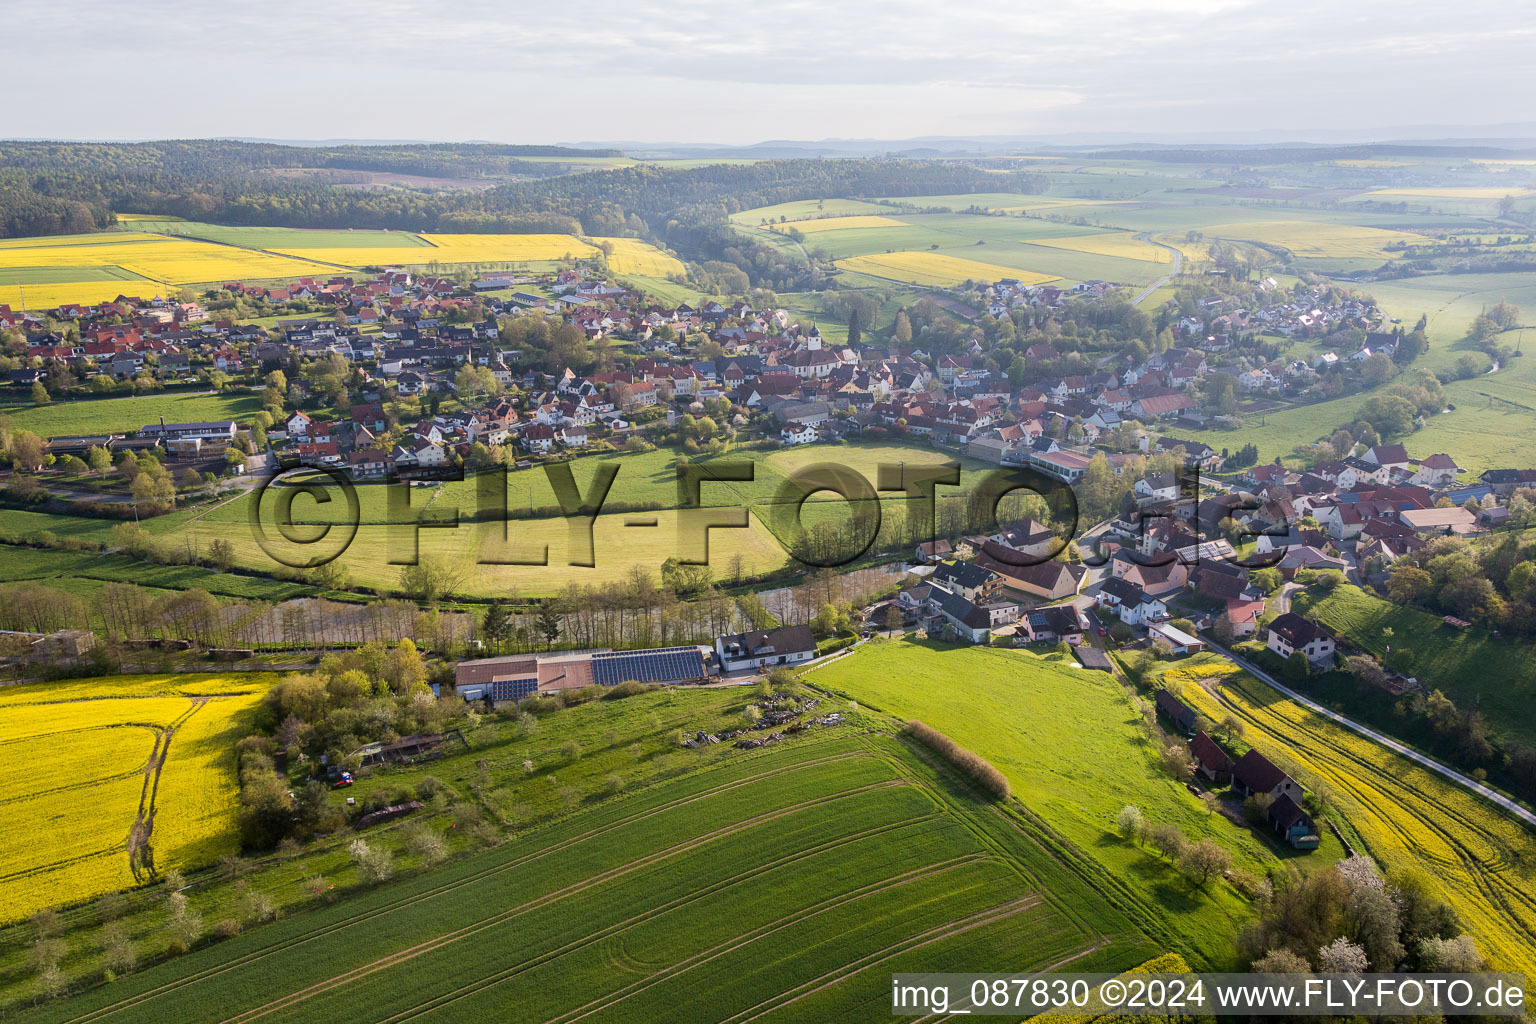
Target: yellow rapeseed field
(1318,239)
(1453,193)
(1195,252)
(807,227)
(456,249)
(932,268)
(632,256)
(195,809)
(1123,244)
(78,762)
(1481,862)
(174,685)
(49,296)
(155,257)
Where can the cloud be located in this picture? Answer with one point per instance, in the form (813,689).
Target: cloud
(737,71)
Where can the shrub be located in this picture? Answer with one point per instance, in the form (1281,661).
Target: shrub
(1129,823)
(227,928)
(425,844)
(570,750)
(374,863)
(968,762)
(613,785)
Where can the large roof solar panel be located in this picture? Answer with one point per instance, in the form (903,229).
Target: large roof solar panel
(667,664)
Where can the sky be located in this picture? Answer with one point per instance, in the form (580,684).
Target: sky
(732,72)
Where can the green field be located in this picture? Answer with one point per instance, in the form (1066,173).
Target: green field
(1072,745)
(117,415)
(63,275)
(788,882)
(280,238)
(1467,665)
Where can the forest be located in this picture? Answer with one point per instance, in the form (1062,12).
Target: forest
(54,187)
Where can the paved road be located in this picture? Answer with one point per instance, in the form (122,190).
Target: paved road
(1464,781)
(1178,261)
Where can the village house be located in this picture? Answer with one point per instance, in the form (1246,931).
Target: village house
(1290,632)
(973,582)
(1134,606)
(759,649)
(1054,624)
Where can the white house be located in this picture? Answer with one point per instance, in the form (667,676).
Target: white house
(796,432)
(1157,490)
(1290,633)
(1134,606)
(758,648)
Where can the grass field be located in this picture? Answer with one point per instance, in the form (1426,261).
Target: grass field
(1468,665)
(1489,192)
(617,548)
(931,268)
(90,757)
(1071,744)
(281,238)
(106,415)
(1481,862)
(804,209)
(1124,245)
(1006,202)
(808,227)
(786,883)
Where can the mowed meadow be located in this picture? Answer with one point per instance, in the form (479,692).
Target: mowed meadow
(1072,745)
(786,883)
(87,761)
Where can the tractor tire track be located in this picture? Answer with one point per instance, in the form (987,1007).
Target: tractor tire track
(446,887)
(437,942)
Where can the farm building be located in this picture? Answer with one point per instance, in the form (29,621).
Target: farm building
(1050,580)
(1175,641)
(209,433)
(1254,773)
(1176,711)
(1210,760)
(516,676)
(1092,657)
(62,646)
(1293,824)
(759,648)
